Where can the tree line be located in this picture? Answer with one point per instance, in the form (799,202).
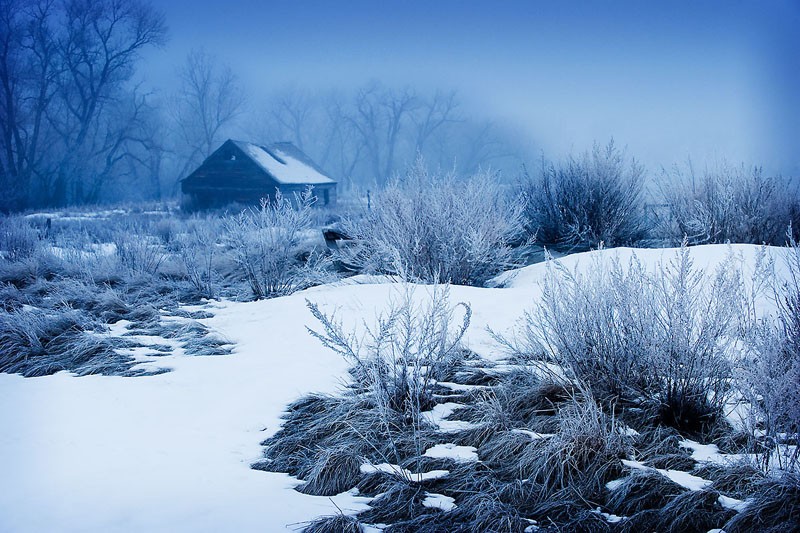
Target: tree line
(76,127)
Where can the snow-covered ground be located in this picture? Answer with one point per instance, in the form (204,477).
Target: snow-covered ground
(172,452)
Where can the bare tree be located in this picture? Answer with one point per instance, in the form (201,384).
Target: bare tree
(64,67)
(317,123)
(291,115)
(379,116)
(97,53)
(365,137)
(209,100)
(432,115)
(28,70)
(137,162)
(343,149)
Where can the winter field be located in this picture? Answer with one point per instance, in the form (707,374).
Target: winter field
(429,267)
(172,452)
(233,371)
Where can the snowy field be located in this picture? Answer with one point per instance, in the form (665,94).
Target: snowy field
(172,452)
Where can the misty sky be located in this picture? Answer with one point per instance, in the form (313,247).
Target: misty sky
(670,80)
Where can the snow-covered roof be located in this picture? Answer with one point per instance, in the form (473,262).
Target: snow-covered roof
(285,163)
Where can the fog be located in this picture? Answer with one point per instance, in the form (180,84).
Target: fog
(670,81)
(686,81)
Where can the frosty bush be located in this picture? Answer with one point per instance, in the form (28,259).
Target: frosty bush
(771,372)
(18,240)
(267,244)
(659,340)
(137,251)
(729,204)
(434,227)
(591,325)
(196,249)
(408,349)
(584,201)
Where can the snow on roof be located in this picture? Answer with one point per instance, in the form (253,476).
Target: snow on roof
(285,163)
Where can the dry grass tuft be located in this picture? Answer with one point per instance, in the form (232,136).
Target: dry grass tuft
(774,507)
(334,471)
(339,523)
(642,491)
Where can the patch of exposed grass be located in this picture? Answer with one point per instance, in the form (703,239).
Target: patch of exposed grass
(334,471)
(401,502)
(38,343)
(338,523)
(738,480)
(585,451)
(659,447)
(694,511)
(773,507)
(642,491)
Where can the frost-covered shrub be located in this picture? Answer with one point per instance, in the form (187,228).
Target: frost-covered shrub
(771,378)
(408,349)
(137,250)
(696,319)
(729,204)
(590,323)
(197,249)
(660,340)
(18,239)
(771,372)
(587,200)
(436,228)
(270,246)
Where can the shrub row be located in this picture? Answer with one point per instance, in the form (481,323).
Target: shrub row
(601,197)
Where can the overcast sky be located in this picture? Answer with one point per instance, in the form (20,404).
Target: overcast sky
(671,80)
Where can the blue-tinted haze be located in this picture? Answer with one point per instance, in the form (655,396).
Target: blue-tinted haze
(670,80)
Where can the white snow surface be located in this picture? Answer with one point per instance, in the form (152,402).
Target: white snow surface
(732,503)
(709,453)
(288,170)
(93,250)
(439,414)
(459,454)
(610,518)
(684,479)
(172,452)
(533,434)
(401,472)
(439,501)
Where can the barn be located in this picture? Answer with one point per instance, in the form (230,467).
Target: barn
(243,172)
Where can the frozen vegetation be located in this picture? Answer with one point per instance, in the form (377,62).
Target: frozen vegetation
(229,371)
